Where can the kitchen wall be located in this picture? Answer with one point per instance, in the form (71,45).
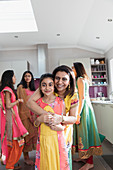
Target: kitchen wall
(54,55)
(29,55)
(109,56)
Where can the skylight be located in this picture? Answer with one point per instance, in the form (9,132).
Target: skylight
(17,16)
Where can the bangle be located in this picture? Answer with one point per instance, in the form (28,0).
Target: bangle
(78,116)
(35,124)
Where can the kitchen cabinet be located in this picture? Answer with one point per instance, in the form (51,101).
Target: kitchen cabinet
(18,66)
(104,118)
(99,71)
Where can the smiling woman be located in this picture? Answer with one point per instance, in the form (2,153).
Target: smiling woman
(65,89)
(24,90)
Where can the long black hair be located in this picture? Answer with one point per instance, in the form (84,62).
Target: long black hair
(43,76)
(6,80)
(71,87)
(80,70)
(24,84)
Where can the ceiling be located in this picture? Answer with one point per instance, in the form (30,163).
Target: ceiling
(64,24)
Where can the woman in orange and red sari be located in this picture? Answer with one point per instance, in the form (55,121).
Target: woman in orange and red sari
(25,89)
(12,129)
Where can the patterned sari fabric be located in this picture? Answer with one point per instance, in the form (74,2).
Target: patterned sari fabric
(70,102)
(27,118)
(86,135)
(51,152)
(11,126)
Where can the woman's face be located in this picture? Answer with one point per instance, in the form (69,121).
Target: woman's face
(47,86)
(62,81)
(28,77)
(14,79)
(74,70)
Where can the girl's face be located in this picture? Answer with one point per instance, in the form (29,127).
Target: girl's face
(28,77)
(73,68)
(14,79)
(62,81)
(47,86)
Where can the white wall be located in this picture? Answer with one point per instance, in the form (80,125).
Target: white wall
(109,56)
(54,55)
(29,55)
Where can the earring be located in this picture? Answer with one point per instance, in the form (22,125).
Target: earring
(69,87)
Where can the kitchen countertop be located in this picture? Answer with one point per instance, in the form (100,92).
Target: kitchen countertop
(102,102)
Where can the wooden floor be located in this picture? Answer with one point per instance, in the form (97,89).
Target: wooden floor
(99,162)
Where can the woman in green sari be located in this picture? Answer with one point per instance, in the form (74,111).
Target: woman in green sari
(86,135)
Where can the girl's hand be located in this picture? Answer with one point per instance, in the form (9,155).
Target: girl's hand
(57,119)
(20,100)
(45,118)
(57,127)
(78,119)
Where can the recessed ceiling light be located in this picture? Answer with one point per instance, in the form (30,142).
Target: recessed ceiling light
(97,37)
(16,36)
(109,20)
(58,34)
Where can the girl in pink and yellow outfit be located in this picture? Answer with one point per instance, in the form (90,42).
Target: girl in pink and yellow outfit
(51,152)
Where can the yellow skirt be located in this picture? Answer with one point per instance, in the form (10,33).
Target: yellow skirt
(49,149)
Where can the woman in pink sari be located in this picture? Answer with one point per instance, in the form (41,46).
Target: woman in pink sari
(12,129)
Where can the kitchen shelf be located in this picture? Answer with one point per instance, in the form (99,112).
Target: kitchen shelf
(99,71)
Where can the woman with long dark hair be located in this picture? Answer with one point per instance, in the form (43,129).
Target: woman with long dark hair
(12,129)
(65,89)
(24,90)
(87,139)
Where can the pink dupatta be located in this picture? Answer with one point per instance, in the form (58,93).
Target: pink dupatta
(18,130)
(63,152)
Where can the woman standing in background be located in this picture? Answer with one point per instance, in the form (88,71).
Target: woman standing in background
(88,139)
(64,88)
(24,90)
(12,129)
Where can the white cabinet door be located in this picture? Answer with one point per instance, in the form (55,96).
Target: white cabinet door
(19,68)
(107,121)
(84,61)
(104,117)
(4,66)
(97,111)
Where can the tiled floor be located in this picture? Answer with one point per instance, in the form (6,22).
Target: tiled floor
(99,162)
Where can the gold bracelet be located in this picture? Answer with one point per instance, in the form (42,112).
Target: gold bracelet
(78,116)
(35,124)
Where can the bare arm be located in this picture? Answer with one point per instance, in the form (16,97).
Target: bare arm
(71,119)
(80,84)
(33,106)
(9,105)
(57,127)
